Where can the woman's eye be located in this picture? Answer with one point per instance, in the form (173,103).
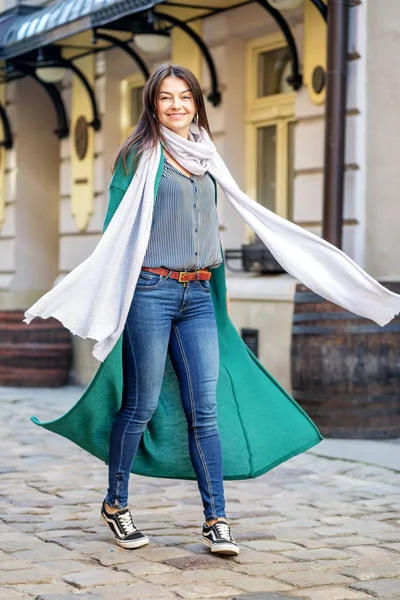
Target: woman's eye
(186,97)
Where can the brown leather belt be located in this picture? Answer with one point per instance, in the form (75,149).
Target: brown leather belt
(182,276)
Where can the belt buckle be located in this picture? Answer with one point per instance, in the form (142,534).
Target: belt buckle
(180,277)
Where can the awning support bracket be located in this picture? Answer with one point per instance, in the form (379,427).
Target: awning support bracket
(126,48)
(68,64)
(322,8)
(296,78)
(215,95)
(7,141)
(62,130)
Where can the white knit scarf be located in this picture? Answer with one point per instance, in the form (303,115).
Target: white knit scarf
(94,299)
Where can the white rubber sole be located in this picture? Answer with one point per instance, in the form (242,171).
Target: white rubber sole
(227,549)
(129,544)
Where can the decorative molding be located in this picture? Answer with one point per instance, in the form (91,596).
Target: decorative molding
(82,147)
(315,43)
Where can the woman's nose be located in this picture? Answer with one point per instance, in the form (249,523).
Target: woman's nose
(176,102)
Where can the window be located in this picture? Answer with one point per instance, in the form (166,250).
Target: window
(273,67)
(270,125)
(132,91)
(266,166)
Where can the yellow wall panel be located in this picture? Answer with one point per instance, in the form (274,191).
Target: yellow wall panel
(315,35)
(82,157)
(185,51)
(2,165)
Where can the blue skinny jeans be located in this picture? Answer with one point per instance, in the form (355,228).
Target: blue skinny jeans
(168,317)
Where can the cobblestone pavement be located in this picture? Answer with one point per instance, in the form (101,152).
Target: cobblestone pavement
(314,528)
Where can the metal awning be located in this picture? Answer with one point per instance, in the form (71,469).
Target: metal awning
(21,32)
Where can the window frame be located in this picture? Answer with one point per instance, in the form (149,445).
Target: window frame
(275,110)
(127,85)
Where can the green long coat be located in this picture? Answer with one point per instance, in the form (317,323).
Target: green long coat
(260,425)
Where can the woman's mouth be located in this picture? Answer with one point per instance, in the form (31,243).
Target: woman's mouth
(176,115)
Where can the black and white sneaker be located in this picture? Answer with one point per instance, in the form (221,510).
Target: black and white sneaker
(123,528)
(219,539)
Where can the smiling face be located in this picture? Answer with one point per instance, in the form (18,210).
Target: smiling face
(175,105)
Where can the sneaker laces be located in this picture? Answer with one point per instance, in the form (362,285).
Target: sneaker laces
(223,530)
(126,522)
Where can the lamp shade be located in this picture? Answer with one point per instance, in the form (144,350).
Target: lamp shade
(50,74)
(152,42)
(285,4)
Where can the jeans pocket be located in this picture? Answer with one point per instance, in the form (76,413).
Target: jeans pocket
(205,284)
(148,281)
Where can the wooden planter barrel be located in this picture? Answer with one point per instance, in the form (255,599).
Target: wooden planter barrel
(345,369)
(35,355)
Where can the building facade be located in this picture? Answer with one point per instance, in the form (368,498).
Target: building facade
(54,192)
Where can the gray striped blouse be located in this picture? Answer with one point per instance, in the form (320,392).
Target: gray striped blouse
(184,233)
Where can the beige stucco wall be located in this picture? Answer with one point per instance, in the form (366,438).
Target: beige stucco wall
(29,237)
(383,140)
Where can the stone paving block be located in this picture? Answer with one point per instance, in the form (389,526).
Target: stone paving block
(174,540)
(194,561)
(393,547)
(47,552)
(15,565)
(147,568)
(271,546)
(9,594)
(85,547)
(136,591)
(118,556)
(94,577)
(364,573)
(205,591)
(387,588)
(311,579)
(265,597)
(258,584)
(66,566)
(56,587)
(252,535)
(387,536)
(249,556)
(198,548)
(162,554)
(60,533)
(319,554)
(169,580)
(331,593)
(209,575)
(376,553)
(344,542)
(14,519)
(331,531)
(67,597)
(27,543)
(24,576)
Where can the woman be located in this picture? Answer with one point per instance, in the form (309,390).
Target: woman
(153,295)
(172,312)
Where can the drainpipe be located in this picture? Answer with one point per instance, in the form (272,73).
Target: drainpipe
(335,119)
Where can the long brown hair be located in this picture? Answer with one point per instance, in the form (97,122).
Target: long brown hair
(147,132)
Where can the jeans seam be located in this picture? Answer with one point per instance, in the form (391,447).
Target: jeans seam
(118,484)
(194,420)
